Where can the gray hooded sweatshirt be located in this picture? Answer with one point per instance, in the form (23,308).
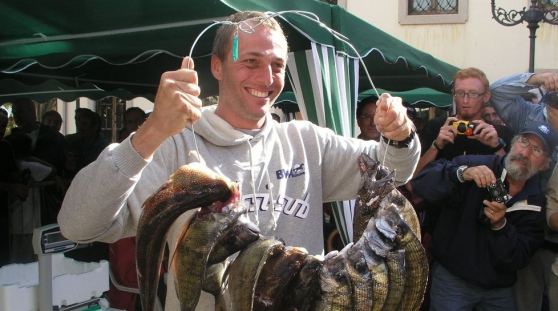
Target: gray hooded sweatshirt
(285,172)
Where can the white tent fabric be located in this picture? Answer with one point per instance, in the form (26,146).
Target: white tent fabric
(325,85)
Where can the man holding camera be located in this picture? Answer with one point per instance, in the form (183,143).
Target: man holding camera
(466,132)
(516,112)
(479,244)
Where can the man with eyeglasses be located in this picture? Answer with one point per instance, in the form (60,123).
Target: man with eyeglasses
(441,139)
(516,112)
(479,244)
(365,112)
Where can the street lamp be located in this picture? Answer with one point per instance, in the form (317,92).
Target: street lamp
(544,11)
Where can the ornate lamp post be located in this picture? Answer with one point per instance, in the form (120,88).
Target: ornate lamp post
(540,10)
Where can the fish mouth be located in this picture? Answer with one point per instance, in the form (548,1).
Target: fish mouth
(258,94)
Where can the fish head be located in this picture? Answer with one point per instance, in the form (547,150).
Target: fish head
(197,179)
(368,167)
(241,234)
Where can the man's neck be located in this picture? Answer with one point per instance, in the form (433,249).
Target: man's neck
(515,185)
(475,117)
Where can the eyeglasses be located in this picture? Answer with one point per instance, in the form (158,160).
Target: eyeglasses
(471,94)
(535,150)
(367,117)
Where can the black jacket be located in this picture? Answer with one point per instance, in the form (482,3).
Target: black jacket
(463,241)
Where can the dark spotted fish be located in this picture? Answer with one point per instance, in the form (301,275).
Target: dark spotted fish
(335,284)
(303,289)
(397,276)
(376,265)
(279,269)
(191,186)
(233,239)
(361,278)
(378,188)
(367,200)
(193,248)
(391,225)
(245,270)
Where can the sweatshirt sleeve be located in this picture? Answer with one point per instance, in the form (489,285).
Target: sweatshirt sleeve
(403,160)
(93,208)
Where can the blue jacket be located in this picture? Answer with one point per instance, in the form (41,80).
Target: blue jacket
(464,242)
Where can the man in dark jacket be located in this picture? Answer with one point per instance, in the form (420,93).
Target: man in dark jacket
(479,243)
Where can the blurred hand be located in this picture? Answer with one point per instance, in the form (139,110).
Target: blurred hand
(548,80)
(391,118)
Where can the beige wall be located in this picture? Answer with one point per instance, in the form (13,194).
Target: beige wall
(479,42)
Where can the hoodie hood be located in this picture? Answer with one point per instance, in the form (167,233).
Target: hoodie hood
(218,132)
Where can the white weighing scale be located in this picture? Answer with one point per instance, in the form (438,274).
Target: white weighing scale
(47,241)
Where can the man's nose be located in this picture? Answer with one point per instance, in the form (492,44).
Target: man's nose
(265,75)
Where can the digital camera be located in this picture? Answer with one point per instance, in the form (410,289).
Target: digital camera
(464,127)
(497,192)
(551,99)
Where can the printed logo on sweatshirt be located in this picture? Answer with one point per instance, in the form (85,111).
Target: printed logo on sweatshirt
(289,206)
(296,171)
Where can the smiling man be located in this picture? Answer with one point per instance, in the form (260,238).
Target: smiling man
(285,170)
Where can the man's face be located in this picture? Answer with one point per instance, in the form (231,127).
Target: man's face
(23,115)
(249,86)
(53,122)
(133,121)
(469,108)
(489,114)
(522,163)
(85,127)
(366,123)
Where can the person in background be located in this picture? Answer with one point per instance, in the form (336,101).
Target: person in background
(414,116)
(85,145)
(480,242)
(239,139)
(489,115)
(133,119)
(552,222)
(25,210)
(52,119)
(365,113)
(8,185)
(47,145)
(516,112)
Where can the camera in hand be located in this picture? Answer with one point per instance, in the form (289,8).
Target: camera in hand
(551,99)
(497,192)
(464,127)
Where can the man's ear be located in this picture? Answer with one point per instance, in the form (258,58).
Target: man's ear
(545,166)
(216,67)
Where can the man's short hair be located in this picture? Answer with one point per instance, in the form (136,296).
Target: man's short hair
(365,101)
(222,43)
(471,72)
